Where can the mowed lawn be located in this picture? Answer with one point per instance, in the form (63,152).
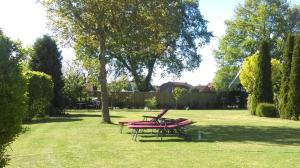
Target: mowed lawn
(231,138)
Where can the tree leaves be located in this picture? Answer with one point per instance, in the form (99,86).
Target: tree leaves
(254,21)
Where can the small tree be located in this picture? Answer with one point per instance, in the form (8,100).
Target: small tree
(177,94)
(284,88)
(151,103)
(223,77)
(40,94)
(117,86)
(47,58)
(293,107)
(12,95)
(248,78)
(75,82)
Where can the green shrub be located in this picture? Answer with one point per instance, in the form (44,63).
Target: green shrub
(251,104)
(266,110)
(12,95)
(151,103)
(40,94)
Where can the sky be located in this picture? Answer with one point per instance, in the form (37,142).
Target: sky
(25,20)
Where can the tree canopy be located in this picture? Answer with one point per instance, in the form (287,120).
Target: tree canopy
(145,35)
(253,21)
(168,40)
(224,76)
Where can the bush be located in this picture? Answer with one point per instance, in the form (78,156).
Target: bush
(40,94)
(12,95)
(266,110)
(251,104)
(151,103)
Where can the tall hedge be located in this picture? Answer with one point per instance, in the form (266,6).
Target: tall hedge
(12,95)
(284,87)
(264,80)
(47,58)
(293,107)
(40,94)
(263,85)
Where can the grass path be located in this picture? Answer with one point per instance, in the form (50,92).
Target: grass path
(230,139)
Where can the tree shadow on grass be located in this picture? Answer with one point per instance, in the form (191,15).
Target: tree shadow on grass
(233,133)
(238,133)
(79,115)
(52,120)
(167,138)
(66,118)
(82,115)
(163,140)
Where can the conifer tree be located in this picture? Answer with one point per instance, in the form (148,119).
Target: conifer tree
(263,92)
(284,87)
(293,107)
(47,58)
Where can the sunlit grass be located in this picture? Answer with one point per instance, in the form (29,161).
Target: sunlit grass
(231,138)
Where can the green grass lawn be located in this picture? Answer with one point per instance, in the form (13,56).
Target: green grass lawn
(231,138)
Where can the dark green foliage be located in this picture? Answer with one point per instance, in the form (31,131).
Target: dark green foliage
(47,58)
(12,95)
(263,91)
(293,107)
(40,94)
(266,110)
(284,88)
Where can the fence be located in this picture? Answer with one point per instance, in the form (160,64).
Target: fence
(201,100)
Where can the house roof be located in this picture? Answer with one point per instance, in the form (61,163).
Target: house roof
(178,84)
(205,88)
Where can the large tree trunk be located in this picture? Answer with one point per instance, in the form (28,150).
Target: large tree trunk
(103,84)
(143,84)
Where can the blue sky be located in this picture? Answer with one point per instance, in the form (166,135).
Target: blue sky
(26,20)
